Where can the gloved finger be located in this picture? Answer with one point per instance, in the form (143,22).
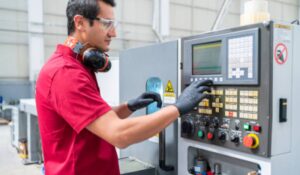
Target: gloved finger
(204,89)
(156,97)
(148,94)
(194,84)
(206,96)
(146,102)
(204,83)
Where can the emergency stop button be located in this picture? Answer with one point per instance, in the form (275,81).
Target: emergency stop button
(251,141)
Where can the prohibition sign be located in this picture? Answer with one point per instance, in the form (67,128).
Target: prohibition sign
(280,53)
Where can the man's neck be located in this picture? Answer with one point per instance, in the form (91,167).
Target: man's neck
(80,40)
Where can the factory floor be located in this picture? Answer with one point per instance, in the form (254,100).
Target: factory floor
(10,163)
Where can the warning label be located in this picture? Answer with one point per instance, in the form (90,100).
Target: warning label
(169,95)
(280,53)
(169,87)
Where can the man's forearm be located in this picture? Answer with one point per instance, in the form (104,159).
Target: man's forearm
(122,111)
(124,132)
(137,129)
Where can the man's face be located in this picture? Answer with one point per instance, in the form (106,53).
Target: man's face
(98,35)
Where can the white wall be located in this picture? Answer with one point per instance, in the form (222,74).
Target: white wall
(13,39)
(187,17)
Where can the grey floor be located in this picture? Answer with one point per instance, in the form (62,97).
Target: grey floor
(10,163)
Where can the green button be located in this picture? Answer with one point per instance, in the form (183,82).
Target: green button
(246,127)
(200,134)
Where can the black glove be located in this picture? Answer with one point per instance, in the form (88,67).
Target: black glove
(192,95)
(144,100)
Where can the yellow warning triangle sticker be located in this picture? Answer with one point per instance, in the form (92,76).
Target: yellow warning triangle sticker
(169,87)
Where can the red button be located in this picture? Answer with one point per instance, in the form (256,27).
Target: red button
(257,128)
(210,136)
(248,141)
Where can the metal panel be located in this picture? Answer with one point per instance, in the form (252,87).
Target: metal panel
(185,144)
(136,66)
(19,127)
(288,162)
(282,86)
(295,151)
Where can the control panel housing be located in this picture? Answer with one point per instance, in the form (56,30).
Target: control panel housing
(238,115)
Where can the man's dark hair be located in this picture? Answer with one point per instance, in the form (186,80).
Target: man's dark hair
(87,8)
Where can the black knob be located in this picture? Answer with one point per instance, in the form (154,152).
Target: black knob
(222,136)
(204,122)
(237,125)
(235,139)
(187,127)
(215,123)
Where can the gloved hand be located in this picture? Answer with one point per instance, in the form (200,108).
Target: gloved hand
(144,100)
(192,95)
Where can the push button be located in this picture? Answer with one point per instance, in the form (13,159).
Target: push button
(257,128)
(200,134)
(251,141)
(247,127)
(248,141)
(210,136)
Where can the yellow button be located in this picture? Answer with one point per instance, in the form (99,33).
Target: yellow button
(221,105)
(213,92)
(214,105)
(209,111)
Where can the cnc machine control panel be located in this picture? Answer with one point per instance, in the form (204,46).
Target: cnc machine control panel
(237,115)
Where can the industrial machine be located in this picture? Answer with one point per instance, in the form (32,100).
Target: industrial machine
(249,123)
(152,68)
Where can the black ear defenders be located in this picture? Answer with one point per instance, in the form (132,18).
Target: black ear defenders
(96,60)
(93,58)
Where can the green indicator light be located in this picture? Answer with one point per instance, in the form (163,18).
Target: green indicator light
(200,134)
(246,127)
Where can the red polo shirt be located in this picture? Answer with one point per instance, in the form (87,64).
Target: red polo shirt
(68,99)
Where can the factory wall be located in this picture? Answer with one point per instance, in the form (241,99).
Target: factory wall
(187,17)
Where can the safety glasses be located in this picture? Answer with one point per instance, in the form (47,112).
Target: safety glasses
(107,24)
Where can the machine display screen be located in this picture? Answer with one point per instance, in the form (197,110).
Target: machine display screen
(206,58)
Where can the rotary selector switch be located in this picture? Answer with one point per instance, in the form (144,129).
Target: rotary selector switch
(204,121)
(215,123)
(222,136)
(235,139)
(187,126)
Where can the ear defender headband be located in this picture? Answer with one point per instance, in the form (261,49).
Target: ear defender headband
(92,57)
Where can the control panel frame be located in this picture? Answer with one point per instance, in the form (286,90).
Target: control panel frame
(262,84)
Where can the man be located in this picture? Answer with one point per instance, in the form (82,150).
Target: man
(79,130)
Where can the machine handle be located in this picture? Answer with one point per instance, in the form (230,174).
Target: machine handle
(162,152)
(154,84)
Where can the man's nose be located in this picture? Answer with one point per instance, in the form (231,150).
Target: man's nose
(112,32)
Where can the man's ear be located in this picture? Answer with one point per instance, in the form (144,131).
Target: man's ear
(79,22)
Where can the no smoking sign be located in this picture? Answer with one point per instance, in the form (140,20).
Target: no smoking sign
(280,53)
